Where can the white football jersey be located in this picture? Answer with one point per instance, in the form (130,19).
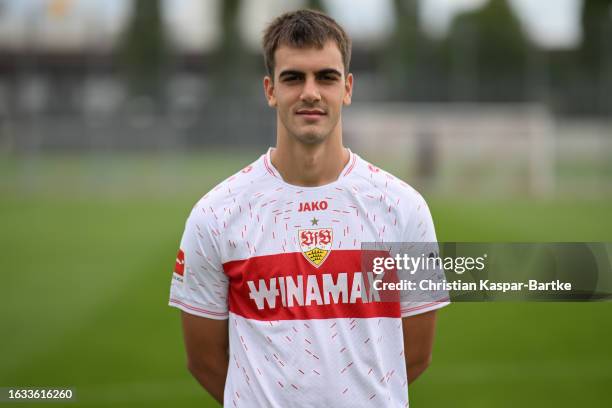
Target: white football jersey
(283,264)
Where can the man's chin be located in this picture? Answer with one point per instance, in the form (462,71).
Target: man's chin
(311,138)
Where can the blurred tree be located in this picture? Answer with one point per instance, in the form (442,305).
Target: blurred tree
(230,46)
(402,52)
(234,80)
(142,49)
(596,53)
(493,37)
(596,25)
(229,62)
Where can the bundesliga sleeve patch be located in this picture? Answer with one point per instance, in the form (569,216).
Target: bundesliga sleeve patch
(179,266)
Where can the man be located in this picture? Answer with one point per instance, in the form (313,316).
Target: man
(268,274)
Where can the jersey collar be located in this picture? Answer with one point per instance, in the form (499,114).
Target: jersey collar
(274,172)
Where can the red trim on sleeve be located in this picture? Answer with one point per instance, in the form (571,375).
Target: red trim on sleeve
(424,306)
(198,309)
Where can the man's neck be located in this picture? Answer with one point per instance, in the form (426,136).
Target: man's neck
(309,165)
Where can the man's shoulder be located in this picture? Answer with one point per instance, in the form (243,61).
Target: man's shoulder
(367,176)
(393,200)
(236,188)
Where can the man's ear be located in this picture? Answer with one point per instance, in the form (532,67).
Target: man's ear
(268,84)
(348,89)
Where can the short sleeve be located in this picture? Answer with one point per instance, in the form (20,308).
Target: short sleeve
(421,242)
(199,285)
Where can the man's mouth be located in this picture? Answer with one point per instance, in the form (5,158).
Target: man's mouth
(311,113)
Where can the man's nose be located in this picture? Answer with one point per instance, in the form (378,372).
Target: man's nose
(310,92)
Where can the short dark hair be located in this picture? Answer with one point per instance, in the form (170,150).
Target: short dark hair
(301,29)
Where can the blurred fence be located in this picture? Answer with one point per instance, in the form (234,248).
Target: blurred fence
(461,150)
(97,114)
(487,149)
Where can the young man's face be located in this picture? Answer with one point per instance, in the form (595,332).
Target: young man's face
(308,91)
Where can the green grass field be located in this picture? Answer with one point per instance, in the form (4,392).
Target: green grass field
(87,252)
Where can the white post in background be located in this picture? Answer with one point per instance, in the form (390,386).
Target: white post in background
(543,152)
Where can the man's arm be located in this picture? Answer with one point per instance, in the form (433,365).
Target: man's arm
(207,344)
(419,334)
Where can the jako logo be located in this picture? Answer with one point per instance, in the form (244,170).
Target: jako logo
(313,206)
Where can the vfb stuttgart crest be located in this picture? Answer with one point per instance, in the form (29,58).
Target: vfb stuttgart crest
(316,244)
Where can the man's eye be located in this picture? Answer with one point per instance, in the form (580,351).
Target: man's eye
(291,78)
(328,78)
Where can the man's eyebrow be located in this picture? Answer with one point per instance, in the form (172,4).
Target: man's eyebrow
(290,72)
(326,71)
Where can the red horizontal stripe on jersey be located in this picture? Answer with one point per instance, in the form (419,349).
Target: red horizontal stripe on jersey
(292,265)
